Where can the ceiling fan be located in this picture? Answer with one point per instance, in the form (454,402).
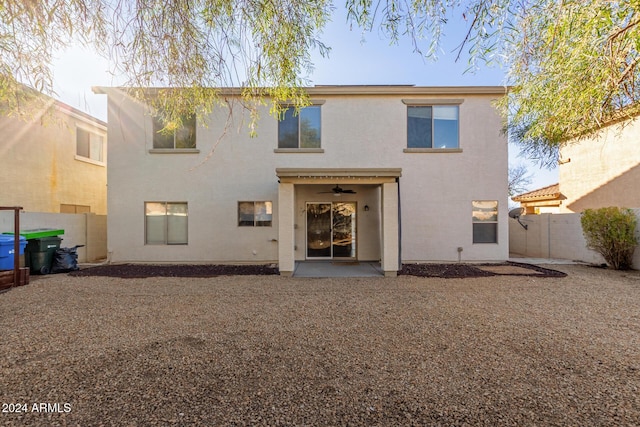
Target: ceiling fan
(337,190)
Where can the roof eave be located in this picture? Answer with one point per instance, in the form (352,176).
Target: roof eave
(358,90)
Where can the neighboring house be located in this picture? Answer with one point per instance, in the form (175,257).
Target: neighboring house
(543,200)
(602,171)
(366,173)
(54,162)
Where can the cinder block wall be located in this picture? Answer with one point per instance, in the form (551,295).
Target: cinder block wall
(96,237)
(79,229)
(556,236)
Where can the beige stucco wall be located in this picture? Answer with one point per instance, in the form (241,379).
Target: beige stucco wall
(40,169)
(437,190)
(358,131)
(602,171)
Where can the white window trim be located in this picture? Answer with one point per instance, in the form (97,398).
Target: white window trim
(90,161)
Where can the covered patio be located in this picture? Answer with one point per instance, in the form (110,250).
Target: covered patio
(374,214)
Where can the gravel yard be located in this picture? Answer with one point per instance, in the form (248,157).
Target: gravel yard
(272,350)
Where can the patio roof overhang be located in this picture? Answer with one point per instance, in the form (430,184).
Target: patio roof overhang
(342,175)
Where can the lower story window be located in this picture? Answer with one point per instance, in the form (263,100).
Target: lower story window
(166,223)
(485,221)
(255,214)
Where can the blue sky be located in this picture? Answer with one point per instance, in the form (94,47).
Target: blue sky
(369,58)
(355,58)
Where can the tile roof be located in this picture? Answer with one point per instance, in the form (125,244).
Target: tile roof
(544,193)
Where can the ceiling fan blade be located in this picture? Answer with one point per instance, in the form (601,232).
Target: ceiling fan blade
(334,190)
(337,190)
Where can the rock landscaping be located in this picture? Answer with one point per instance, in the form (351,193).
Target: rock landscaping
(232,350)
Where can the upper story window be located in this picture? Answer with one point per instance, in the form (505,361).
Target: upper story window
(89,145)
(300,130)
(184,137)
(432,126)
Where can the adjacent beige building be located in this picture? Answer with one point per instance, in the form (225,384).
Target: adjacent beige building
(393,174)
(602,171)
(54,162)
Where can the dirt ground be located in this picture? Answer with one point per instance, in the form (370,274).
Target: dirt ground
(231,350)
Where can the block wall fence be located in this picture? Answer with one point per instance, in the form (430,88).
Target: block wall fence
(556,236)
(87,229)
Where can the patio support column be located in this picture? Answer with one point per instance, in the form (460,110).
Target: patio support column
(390,244)
(286,240)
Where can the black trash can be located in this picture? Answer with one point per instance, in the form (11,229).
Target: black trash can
(39,254)
(41,247)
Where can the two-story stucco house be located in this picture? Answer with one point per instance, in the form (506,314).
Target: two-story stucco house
(54,162)
(394,174)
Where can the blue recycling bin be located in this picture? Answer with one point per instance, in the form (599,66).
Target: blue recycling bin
(6,250)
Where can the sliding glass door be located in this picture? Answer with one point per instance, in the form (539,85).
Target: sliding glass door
(331,230)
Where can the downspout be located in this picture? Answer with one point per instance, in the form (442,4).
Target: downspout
(399,227)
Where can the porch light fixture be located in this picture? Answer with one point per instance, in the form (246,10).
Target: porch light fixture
(366,208)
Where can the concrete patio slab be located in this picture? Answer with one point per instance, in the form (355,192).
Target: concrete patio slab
(337,269)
